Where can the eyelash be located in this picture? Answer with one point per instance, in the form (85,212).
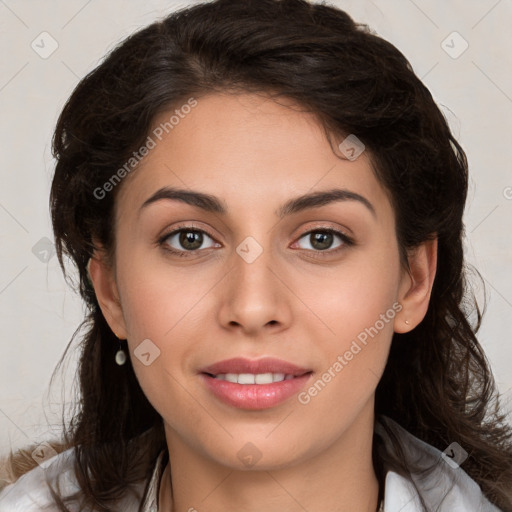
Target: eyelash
(347,241)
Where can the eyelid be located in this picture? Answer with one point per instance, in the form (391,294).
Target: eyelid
(327,225)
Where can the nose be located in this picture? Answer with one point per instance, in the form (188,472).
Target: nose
(253,297)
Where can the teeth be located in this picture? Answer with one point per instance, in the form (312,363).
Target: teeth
(251,378)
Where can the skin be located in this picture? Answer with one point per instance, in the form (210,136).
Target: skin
(254,155)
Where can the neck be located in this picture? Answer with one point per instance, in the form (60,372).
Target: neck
(341,477)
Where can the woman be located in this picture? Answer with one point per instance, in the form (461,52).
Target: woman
(264,205)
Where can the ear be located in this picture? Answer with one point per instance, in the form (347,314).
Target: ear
(102,277)
(416,286)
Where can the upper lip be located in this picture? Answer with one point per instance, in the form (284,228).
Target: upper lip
(265,365)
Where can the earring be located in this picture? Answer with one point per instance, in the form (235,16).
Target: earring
(407,322)
(120,354)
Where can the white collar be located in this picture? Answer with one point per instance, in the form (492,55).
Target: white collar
(444,489)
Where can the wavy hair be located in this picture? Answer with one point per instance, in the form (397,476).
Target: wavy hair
(437,383)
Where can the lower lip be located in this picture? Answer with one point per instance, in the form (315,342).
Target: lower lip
(255,396)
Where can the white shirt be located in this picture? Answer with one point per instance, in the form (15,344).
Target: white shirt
(447,488)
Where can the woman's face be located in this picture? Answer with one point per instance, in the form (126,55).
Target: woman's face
(246,278)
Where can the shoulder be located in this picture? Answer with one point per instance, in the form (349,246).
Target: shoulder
(443,484)
(31,493)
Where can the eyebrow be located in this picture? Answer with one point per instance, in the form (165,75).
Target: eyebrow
(210,203)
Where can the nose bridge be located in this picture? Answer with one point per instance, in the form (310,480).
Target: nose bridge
(253,296)
(253,276)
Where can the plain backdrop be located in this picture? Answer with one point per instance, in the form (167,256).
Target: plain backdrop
(460,49)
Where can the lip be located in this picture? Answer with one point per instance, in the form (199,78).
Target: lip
(265,365)
(254,396)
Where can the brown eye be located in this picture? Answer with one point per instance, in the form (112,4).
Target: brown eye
(186,240)
(190,240)
(323,239)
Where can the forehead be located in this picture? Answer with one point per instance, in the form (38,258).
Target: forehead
(246,148)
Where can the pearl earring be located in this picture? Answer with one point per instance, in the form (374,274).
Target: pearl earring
(407,322)
(120,354)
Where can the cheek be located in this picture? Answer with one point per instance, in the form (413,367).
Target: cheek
(166,307)
(354,352)
(354,317)
(157,297)
(353,297)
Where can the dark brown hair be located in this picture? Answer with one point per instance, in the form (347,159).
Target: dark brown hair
(437,383)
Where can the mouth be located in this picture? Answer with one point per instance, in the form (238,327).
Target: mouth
(252,378)
(254,384)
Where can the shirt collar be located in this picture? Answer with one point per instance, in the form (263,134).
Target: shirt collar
(150,499)
(442,484)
